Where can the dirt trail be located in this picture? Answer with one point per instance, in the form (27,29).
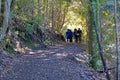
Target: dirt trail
(53,63)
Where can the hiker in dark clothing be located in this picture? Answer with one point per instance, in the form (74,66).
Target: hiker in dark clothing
(76,35)
(69,35)
(79,34)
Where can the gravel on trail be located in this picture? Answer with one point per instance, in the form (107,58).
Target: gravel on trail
(55,62)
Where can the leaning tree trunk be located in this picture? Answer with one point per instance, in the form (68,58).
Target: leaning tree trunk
(6,19)
(117,42)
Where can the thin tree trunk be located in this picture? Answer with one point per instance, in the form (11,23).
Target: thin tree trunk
(33,12)
(117,42)
(100,45)
(47,13)
(52,3)
(90,36)
(40,7)
(0,7)
(6,19)
(0,12)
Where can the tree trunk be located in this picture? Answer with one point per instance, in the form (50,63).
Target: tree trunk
(1,12)
(12,4)
(117,42)
(39,6)
(52,3)
(6,19)
(0,7)
(47,13)
(90,36)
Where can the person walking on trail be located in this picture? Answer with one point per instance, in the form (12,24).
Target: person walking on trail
(79,34)
(69,35)
(76,35)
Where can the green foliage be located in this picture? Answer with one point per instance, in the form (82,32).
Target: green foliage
(22,35)
(96,62)
(19,32)
(29,43)
(37,19)
(8,44)
(29,28)
(0,25)
(47,42)
(67,0)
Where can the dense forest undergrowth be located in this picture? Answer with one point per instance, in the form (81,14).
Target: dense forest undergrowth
(21,37)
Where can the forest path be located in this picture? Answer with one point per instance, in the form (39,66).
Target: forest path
(53,63)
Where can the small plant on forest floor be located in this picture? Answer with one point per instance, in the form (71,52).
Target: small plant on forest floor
(47,42)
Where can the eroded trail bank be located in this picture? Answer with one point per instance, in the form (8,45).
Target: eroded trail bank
(56,62)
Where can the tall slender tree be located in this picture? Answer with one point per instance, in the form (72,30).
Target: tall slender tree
(0,13)
(6,19)
(90,35)
(117,42)
(0,7)
(52,4)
